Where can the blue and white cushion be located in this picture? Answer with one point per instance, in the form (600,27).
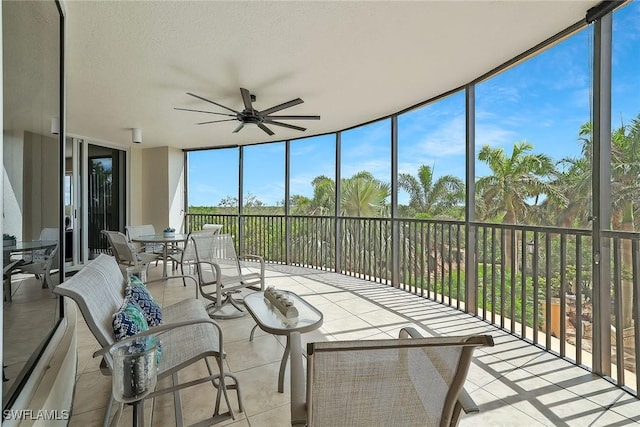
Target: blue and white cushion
(129,320)
(139,293)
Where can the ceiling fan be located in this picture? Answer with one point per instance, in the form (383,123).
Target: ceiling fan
(253,116)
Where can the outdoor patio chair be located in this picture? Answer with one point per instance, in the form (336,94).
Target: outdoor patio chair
(40,262)
(125,253)
(221,274)
(390,382)
(133,231)
(187,335)
(187,257)
(216,228)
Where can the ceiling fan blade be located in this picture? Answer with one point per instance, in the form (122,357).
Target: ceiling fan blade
(217,121)
(240,126)
(281,106)
(266,129)
(214,103)
(202,111)
(284,125)
(246,98)
(294,117)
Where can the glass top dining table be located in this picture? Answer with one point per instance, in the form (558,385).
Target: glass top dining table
(9,265)
(166,240)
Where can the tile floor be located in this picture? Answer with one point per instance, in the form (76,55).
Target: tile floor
(28,320)
(514,384)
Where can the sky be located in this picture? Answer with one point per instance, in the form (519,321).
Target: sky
(542,101)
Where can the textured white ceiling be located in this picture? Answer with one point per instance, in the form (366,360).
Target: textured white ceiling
(130,63)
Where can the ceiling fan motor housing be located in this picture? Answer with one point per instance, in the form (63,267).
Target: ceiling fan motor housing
(251,115)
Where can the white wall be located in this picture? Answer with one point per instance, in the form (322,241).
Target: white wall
(41,198)
(161,188)
(176,188)
(13,183)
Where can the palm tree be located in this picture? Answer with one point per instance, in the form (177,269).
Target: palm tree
(625,194)
(432,198)
(516,181)
(364,196)
(574,182)
(516,185)
(625,200)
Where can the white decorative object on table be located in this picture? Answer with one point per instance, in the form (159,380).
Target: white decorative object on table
(281,301)
(169,232)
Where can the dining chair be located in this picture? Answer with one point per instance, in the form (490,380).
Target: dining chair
(187,257)
(40,262)
(125,253)
(133,231)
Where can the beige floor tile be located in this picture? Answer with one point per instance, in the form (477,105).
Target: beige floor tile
(260,388)
(358,305)
(247,354)
(495,413)
(87,419)
(92,392)
(384,319)
(349,328)
(239,329)
(332,311)
(279,416)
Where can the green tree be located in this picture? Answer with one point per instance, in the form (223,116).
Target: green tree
(516,181)
(516,185)
(432,198)
(362,195)
(574,182)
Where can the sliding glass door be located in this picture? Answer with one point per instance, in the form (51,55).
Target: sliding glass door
(94,198)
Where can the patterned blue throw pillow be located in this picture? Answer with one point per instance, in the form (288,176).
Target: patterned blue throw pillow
(139,293)
(129,320)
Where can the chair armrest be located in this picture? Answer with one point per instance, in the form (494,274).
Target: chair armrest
(215,266)
(298,391)
(253,258)
(410,332)
(159,330)
(261,260)
(467,403)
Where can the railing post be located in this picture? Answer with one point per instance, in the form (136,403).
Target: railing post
(240,201)
(287,207)
(336,210)
(471,305)
(395,227)
(601,188)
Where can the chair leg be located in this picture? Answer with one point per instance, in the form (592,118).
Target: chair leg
(177,402)
(184,281)
(222,388)
(107,413)
(215,309)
